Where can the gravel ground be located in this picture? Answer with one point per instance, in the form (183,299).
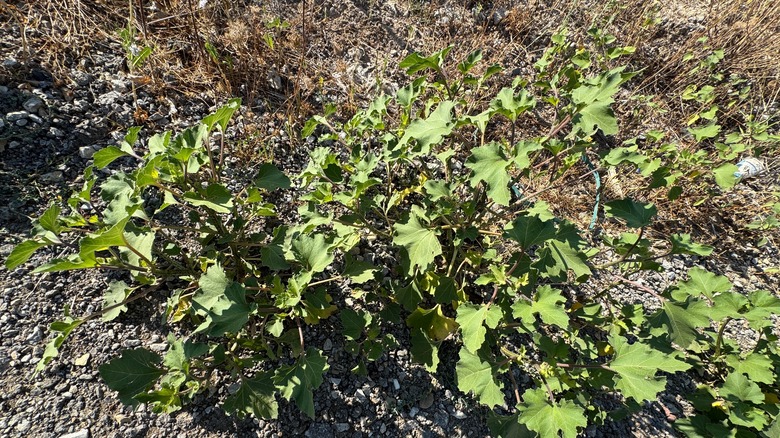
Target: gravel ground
(48,134)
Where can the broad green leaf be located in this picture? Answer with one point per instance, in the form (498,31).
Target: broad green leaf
(529,230)
(179,354)
(548,303)
(705,132)
(118,291)
(703,282)
(437,189)
(358,271)
(473,319)
(488,165)
(508,426)
(354,322)
(743,414)
(408,296)
(682,244)
(765,304)
(758,367)
(132,373)
(510,105)
(93,243)
(227,314)
(479,377)
(216,197)
(296,382)
(271,178)
(106,156)
(738,387)
(416,62)
(158,143)
(682,320)
(22,252)
(595,116)
(431,131)
(558,257)
(601,87)
(222,116)
(636,214)
(433,322)
(48,220)
(636,367)
(421,243)
(255,396)
(67,264)
(221,302)
(142,241)
(313,253)
(724,175)
(550,419)
(424,350)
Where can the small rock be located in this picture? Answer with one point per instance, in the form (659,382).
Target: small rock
(86,152)
(382,428)
(22,122)
(36,119)
(396,385)
(35,336)
(52,177)
(458,414)
(360,396)
(119,86)
(16,115)
(33,104)
(335,381)
(413,411)
(83,433)
(10,63)
(342,427)
(327,345)
(82,360)
(23,426)
(427,402)
(109,98)
(131,343)
(159,347)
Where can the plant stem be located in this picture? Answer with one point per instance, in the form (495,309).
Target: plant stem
(719,340)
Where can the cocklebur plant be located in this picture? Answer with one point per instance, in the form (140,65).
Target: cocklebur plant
(450,204)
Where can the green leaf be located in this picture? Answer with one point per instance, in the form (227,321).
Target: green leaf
(488,164)
(255,396)
(472,320)
(106,156)
(529,230)
(217,197)
(64,328)
(354,322)
(710,131)
(478,377)
(357,271)
(118,291)
(758,367)
(222,116)
(313,253)
(703,282)
(724,175)
(132,373)
(550,419)
(421,243)
(510,105)
(636,214)
(595,116)
(738,387)
(48,220)
(558,257)
(67,264)
(408,296)
(296,382)
(416,62)
(93,243)
(222,303)
(433,322)
(682,244)
(636,366)
(271,178)
(547,303)
(228,314)
(682,320)
(601,87)
(431,131)
(22,252)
